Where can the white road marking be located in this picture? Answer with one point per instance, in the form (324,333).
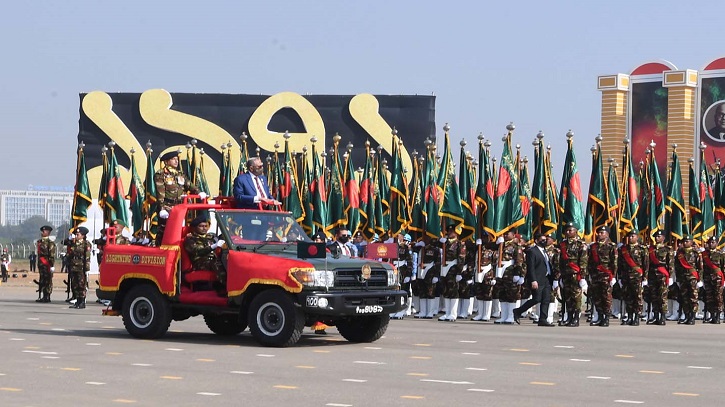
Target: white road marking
(263,355)
(599,377)
(141,364)
(203,393)
(580,360)
(95,383)
(699,367)
(240,372)
(482,390)
(40,352)
(468,341)
(59,329)
(629,401)
(93,344)
(17,339)
(338,405)
(476,368)
(669,352)
(444,381)
(93,322)
(564,346)
(355,380)
(2,374)
(372,348)
(174,349)
(471,353)
(33,319)
(367,362)
(50,357)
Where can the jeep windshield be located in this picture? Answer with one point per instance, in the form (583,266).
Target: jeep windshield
(251,227)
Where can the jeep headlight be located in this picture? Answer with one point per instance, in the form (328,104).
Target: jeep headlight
(315,278)
(392,277)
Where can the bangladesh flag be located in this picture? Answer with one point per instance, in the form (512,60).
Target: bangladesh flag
(508,214)
(675,218)
(451,197)
(630,195)
(351,192)
(82,195)
(115,196)
(399,212)
(136,197)
(484,191)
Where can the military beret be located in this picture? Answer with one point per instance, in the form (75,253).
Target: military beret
(46,227)
(319,235)
(82,230)
(169,155)
(358,234)
(602,229)
(633,232)
(658,233)
(711,239)
(198,220)
(119,222)
(570,225)
(687,237)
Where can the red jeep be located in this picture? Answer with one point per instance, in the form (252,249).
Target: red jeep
(268,286)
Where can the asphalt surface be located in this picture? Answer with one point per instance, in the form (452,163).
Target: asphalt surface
(54,356)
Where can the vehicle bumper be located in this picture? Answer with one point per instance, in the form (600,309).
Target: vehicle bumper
(105,295)
(352,303)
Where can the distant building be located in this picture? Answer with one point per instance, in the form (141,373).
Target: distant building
(52,203)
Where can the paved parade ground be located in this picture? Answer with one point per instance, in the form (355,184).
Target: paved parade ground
(55,356)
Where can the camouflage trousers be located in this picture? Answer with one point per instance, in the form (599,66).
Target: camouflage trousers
(509,291)
(658,291)
(632,292)
(600,293)
(713,293)
(571,293)
(483,291)
(78,284)
(5,273)
(45,280)
(450,286)
(688,293)
(427,289)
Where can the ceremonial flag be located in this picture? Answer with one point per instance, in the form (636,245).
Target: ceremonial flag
(82,195)
(630,200)
(596,203)
(382,193)
(417,201)
(570,194)
(115,197)
(706,199)
(448,187)
(468,203)
(508,213)
(335,204)
(225,175)
(676,217)
(291,197)
(399,212)
(351,193)
(655,199)
(695,205)
(484,190)
(613,200)
(432,196)
(305,184)
(719,195)
(103,185)
(244,154)
(525,230)
(318,193)
(367,196)
(136,196)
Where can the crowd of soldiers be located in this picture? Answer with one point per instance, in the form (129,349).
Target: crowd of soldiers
(485,280)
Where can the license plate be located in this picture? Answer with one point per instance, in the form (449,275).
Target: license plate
(369,309)
(311,301)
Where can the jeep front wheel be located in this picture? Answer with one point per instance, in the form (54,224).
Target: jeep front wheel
(225,324)
(274,320)
(146,313)
(363,329)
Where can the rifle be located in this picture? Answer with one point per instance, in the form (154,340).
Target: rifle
(38,290)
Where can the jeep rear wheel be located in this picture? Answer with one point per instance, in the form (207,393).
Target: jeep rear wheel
(363,329)
(225,324)
(146,313)
(274,320)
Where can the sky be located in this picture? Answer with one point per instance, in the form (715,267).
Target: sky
(488,63)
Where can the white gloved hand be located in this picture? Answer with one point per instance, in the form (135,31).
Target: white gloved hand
(555,285)
(701,249)
(419,244)
(493,282)
(406,280)
(479,242)
(700,284)
(516,279)
(133,239)
(458,278)
(414,277)
(202,195)
(644,283)
(620,283)
(145,241)
(219,243)
(469,282)
(670,281)
(612,282)
(52,269)
(583,284)
(499,240)
(443,240)
(435,280)
(163,214)
(521,281)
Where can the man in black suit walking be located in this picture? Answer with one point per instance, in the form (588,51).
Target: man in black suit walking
(539,275)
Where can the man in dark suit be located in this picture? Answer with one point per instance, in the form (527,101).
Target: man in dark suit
(718,132)
(539,275)
(251,189)
(342,245)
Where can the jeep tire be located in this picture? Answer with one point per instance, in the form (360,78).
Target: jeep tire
(146,313)
(363,329)
(224,324)
(274,319)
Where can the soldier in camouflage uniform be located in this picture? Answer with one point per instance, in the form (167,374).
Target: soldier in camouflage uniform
(633,263)
(5,259)
(602,271)
(573,260)
(452,272)
(712,278)
(661,257)
(465,286)
(428,277)
(688,266)
(404,264)
(80,264)
(484,280)
(119,225)
(46,263)
(201,246)
(171,184)
(512,271)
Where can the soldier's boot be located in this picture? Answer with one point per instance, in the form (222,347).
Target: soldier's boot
(453,310)
(447,302)
(574,321)
(662,319)
(715,319)
(653,317)
(46,298)
(596,317)
(690,318)
(635,319)
(81,303)
(625,318)
(464,308)
(604,320)
(422,308)
(40,299)
(479,306)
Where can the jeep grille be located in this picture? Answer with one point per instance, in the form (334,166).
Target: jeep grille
(351,278)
